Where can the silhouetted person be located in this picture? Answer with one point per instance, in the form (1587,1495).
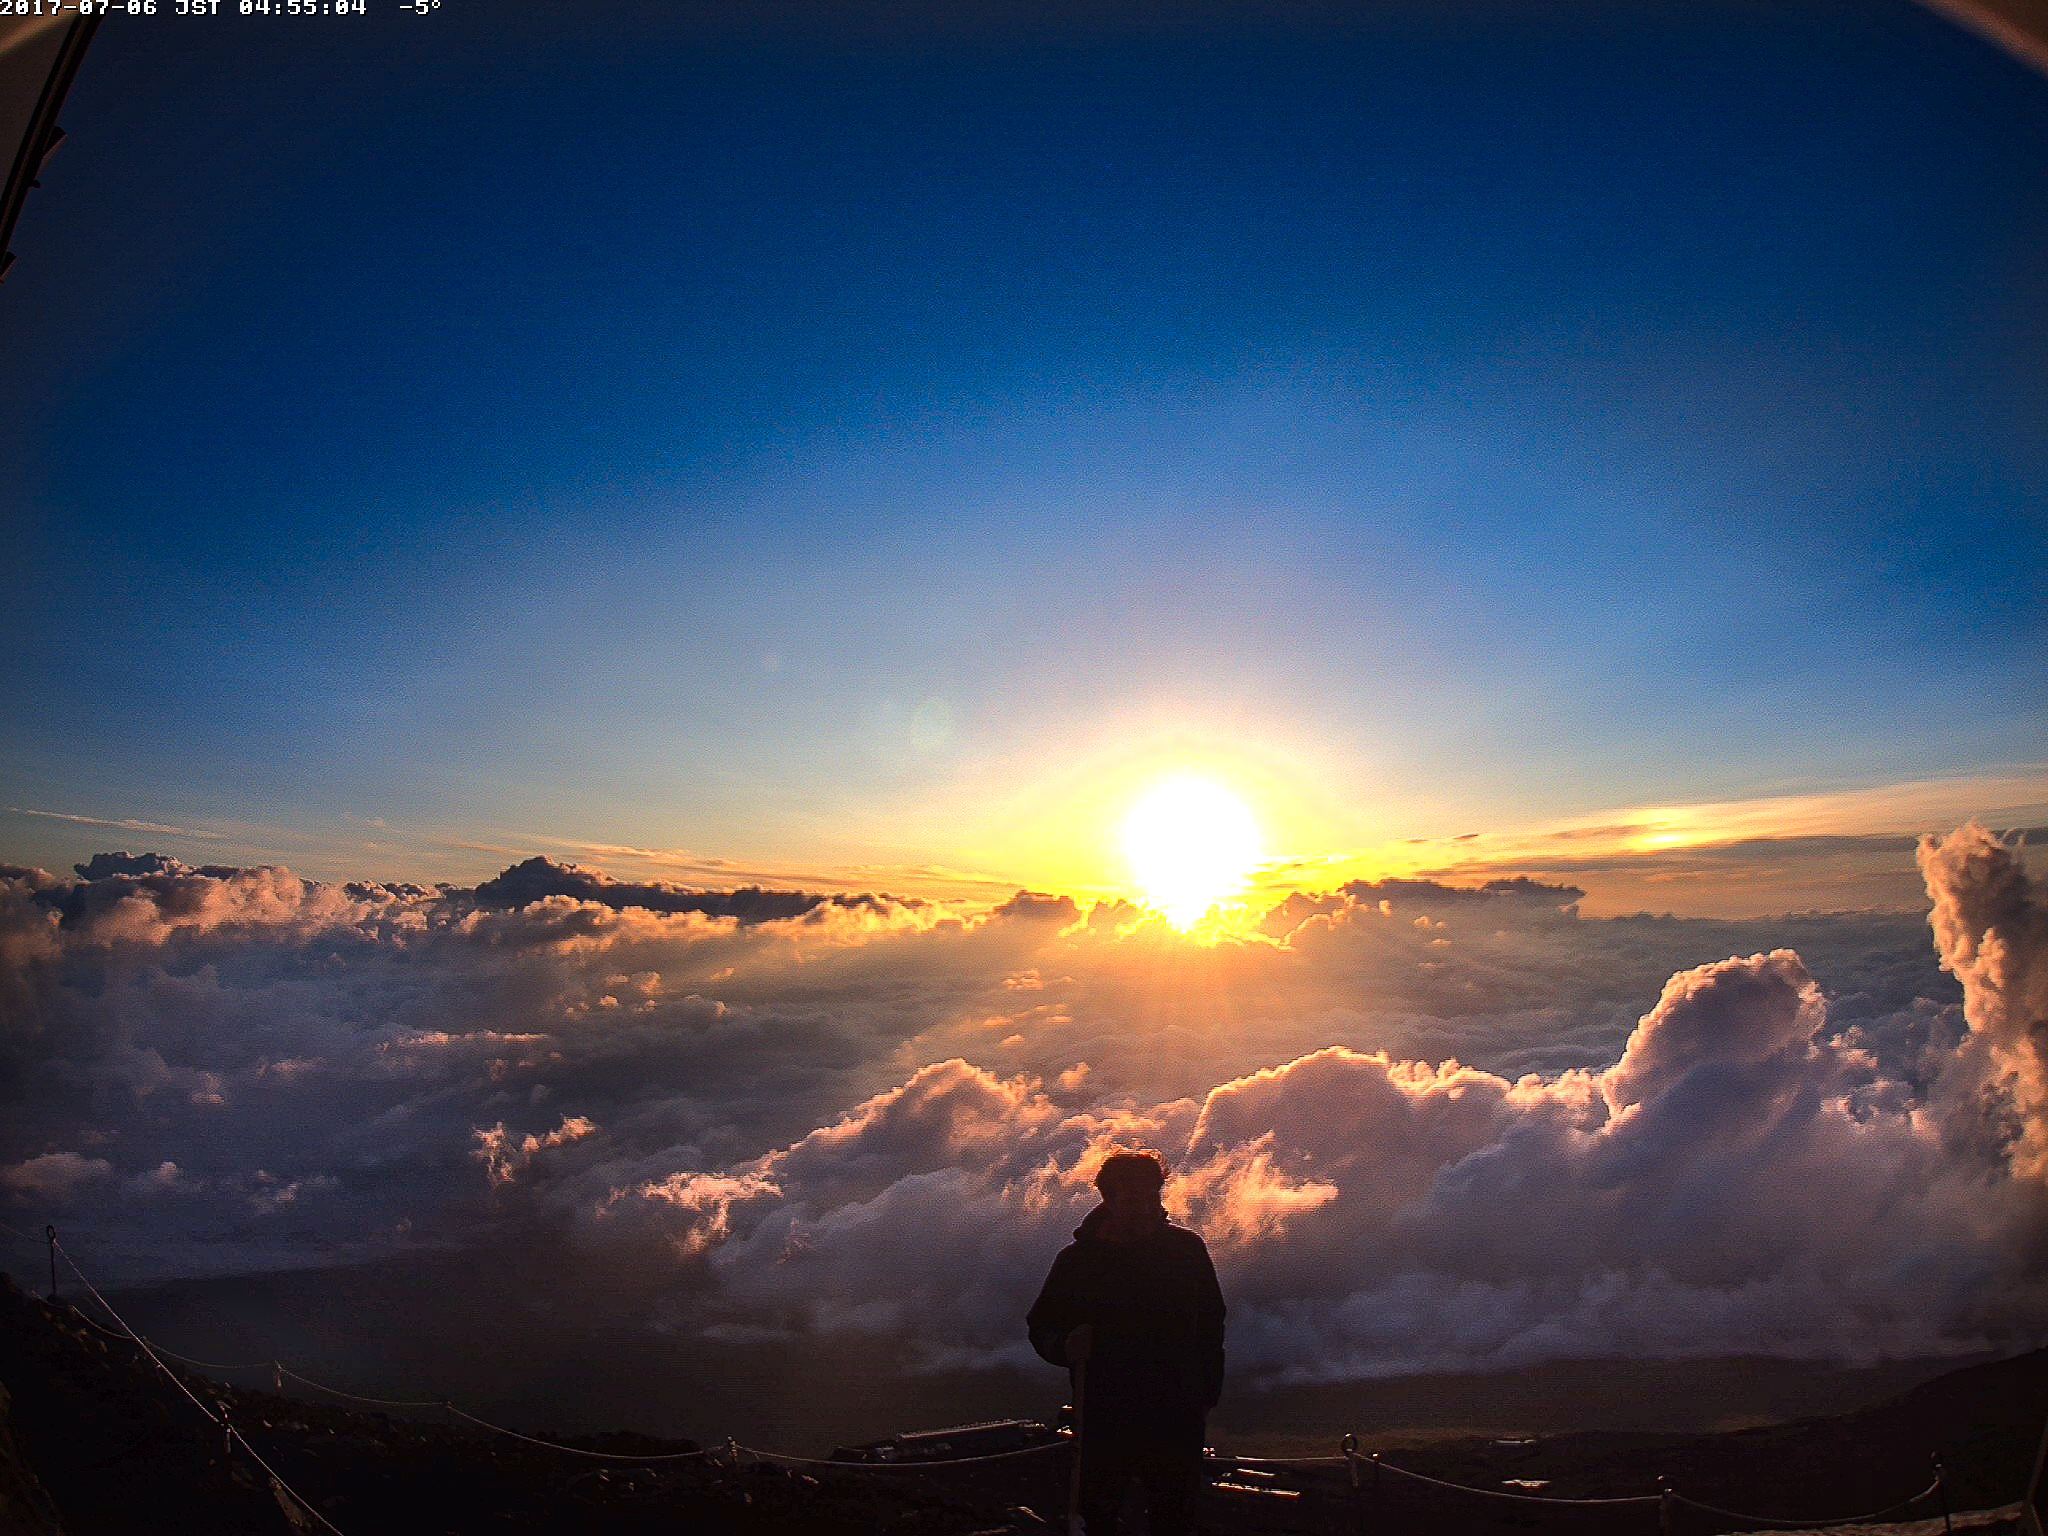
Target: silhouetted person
(1132,1308)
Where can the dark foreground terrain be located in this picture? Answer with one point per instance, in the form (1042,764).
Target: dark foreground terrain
(99,1440)
(463,1324)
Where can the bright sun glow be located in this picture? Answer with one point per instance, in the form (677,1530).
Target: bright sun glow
(1192,844)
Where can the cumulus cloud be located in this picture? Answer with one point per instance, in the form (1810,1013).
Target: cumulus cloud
(1992,928)
(1723,1187)
(1423,1126)
(166,1178)
(1744,1013)
(56,1177)
(505,1157)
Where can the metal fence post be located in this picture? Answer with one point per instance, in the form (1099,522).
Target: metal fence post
(1663,1506)
(50,1233)
(1941,1487)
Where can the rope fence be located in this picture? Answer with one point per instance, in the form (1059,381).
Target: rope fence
(356,1397)
(1877,1514)
(730,1453)
(171,1354)
(271,1472)
(1519,1498)
(576,1450)
(901,1466)
(232,1433)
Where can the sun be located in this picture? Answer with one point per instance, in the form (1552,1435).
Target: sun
(1191,844)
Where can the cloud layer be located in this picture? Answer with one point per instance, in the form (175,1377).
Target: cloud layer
(1422,1127)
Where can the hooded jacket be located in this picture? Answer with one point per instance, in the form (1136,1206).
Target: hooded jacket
(1156,1312)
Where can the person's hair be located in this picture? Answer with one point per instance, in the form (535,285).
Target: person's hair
(1132,1165)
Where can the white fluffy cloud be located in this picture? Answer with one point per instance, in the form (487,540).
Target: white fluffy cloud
(1420,1128)
(53,1178)
(1992,928)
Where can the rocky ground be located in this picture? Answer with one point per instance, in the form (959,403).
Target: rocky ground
(99,1440)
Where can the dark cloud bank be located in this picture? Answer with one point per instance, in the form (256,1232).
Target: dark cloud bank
(1424,1128)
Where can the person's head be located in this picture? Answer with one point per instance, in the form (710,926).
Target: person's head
(1130,1178)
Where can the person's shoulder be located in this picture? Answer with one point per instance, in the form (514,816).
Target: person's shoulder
(1185,1237)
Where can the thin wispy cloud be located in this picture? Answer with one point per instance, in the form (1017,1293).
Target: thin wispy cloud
(118,824)
(2009,798)
(1837,849)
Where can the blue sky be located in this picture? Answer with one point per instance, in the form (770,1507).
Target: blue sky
(817,445)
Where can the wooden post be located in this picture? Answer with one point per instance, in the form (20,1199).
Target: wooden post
(1941,1487)
(1664,1506)
(50,1233)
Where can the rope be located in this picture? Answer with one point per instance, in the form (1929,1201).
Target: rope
(899,1466)
(355,1397)
(1282,1461)
(207,1365)
(573,1450)
(1519,1498)
(304,1503)
(138,1338)
(234,1432)
(1730,1514)
(270,1365)
(171,1354)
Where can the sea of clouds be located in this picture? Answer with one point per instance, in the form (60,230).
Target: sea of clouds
(1422,1128)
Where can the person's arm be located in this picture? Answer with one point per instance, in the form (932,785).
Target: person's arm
(1209,1310)
(1055,1314)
